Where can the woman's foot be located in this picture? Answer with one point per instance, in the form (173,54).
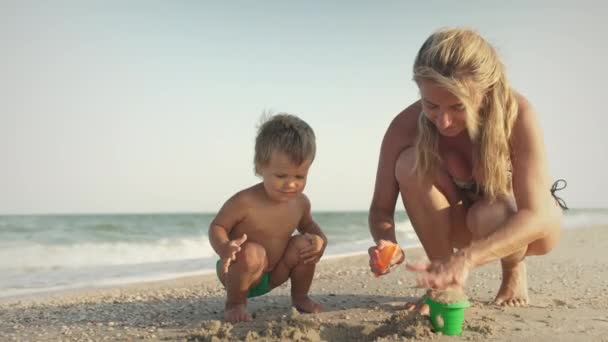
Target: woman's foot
(234,313)
(514,288)
(305,304)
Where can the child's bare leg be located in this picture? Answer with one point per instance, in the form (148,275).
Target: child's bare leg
(290,266)
(242,274)
(301,278)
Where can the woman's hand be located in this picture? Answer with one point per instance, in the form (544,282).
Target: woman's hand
(374,256)
(451,272)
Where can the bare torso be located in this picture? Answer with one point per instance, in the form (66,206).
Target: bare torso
(529,173)
(268,223)
(457,153)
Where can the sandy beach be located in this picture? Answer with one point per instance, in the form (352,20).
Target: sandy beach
(568,290)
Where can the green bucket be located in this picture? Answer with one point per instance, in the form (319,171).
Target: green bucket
(447,318)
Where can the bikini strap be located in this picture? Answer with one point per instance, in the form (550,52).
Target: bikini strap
(558,185)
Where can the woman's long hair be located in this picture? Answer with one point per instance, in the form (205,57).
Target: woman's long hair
(462,62)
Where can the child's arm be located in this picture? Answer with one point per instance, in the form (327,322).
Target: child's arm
(229,216)
(311,230)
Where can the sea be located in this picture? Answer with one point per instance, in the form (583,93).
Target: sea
(46,253)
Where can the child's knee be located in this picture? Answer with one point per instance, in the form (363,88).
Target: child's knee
(295,245)
(252,257)
(299,242)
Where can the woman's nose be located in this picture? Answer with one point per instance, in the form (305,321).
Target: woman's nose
(444,120)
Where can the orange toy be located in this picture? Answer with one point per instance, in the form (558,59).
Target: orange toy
(385,255)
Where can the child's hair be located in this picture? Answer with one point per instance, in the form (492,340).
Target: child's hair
(287,134)
(465,64)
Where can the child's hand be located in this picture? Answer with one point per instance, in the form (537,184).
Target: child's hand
(231,248)
(374,255)
(312,254)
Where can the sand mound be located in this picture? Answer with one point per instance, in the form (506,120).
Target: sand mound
(404,324)
(289,328)
(212,331)
(447,296)
(292,328)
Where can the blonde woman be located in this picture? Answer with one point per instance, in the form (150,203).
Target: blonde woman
(469,162)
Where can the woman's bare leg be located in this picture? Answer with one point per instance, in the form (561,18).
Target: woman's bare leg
(434,207)
(485,217)
(442,222)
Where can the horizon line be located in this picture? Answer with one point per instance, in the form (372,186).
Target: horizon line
(125,213)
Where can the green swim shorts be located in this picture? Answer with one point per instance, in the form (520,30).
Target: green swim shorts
(263,287)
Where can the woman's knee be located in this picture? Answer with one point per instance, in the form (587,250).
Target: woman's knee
(486,215)
(404,167)
(252,257)
(551,237)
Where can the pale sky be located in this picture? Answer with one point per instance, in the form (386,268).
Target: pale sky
(152,106)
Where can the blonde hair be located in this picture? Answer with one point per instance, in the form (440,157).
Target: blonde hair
(465,64)
(284,133)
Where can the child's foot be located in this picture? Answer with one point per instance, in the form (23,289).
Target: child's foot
(234,313)
(305,304)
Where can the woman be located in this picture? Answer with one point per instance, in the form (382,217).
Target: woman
(469,162)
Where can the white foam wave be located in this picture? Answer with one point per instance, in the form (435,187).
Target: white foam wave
(404,226)
(41,257)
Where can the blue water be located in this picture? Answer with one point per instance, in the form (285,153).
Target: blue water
(51,252)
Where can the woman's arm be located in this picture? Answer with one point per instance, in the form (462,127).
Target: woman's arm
(400,135)
(537,215)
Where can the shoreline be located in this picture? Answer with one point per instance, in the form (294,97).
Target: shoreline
(142,280)
(568,290)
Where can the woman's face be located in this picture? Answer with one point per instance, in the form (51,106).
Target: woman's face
(443,108)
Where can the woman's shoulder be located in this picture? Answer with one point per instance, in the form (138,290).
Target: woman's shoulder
(406,122)
(411,111)
(403,129)
(523,104)
(525,119)
(526,126)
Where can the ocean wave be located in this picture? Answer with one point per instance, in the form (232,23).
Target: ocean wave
(404,226)
(44,257)
(37,265)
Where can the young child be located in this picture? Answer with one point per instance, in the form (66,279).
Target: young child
(253,231)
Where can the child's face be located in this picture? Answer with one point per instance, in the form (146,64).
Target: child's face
(283,180)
